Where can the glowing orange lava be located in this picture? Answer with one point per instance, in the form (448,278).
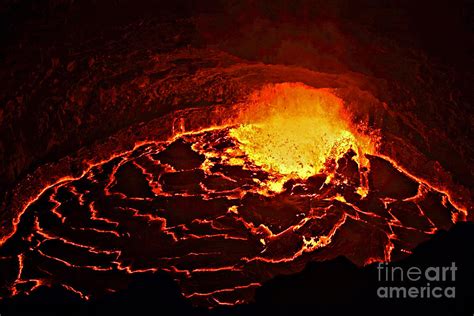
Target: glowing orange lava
(293,130)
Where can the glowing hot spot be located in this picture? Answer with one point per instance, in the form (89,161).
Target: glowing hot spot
(293,130)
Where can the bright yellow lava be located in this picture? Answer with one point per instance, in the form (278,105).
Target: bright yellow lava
(293,130)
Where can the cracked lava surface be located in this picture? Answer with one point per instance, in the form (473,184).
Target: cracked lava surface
(226,208)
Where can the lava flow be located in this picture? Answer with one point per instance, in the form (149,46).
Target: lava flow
(289,179)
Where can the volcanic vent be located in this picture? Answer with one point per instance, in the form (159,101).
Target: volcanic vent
(227,200)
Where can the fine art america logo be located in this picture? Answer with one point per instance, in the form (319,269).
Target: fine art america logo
(415,282)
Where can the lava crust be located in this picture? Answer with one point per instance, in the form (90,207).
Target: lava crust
(181,207)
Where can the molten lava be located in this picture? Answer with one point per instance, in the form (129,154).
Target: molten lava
(294,130)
